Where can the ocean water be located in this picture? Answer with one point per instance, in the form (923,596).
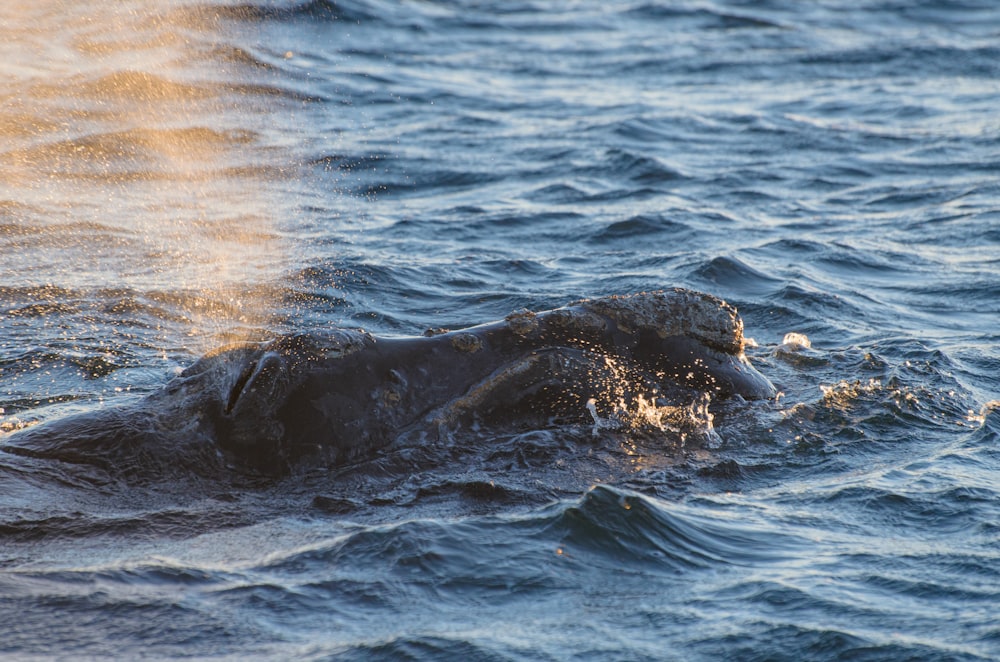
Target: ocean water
(176,176)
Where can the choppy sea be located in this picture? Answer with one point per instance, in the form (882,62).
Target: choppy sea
(178,175)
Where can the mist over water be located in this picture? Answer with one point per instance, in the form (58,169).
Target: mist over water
(176,176)
(136,167)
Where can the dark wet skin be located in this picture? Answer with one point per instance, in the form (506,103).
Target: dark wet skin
(342,396)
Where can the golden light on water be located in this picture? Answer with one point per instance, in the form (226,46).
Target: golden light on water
(125,165)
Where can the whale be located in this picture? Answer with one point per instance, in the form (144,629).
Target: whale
(335,397)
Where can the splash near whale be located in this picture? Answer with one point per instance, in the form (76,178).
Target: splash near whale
(342,396)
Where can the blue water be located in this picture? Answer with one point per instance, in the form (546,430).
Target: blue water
(176,176)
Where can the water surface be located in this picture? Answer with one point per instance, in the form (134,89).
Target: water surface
(175,176)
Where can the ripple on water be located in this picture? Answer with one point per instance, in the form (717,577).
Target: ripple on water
(649,226)
(188,174)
